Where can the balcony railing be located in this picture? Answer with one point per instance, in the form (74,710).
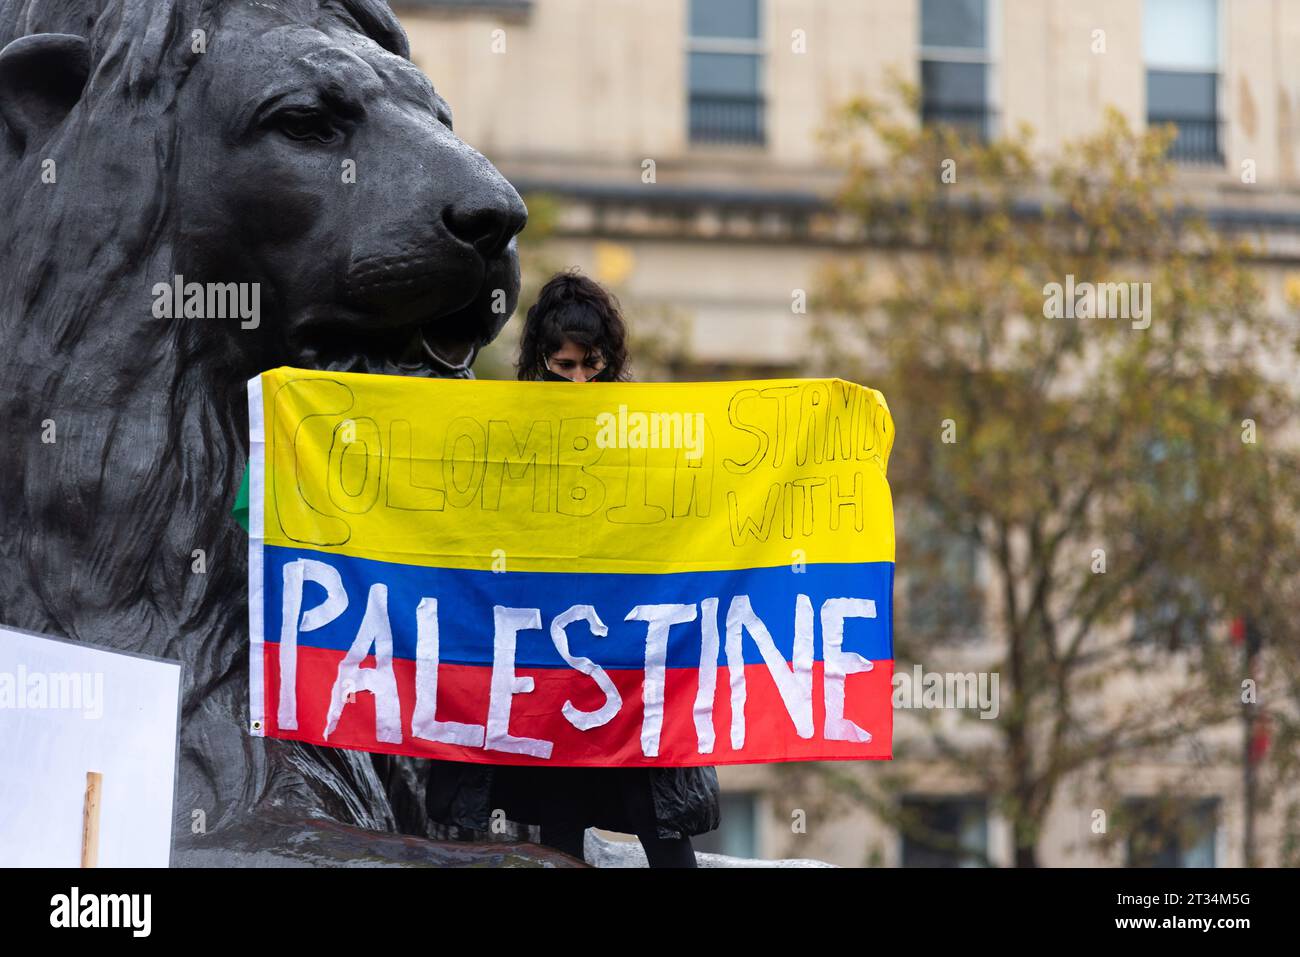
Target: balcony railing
(1198,139)
(718,118)
(975,120)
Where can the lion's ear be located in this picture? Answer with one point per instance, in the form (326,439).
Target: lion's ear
(41,79)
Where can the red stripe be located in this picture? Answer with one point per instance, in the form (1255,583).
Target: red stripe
(463,696)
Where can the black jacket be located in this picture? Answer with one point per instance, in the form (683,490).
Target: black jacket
(675,802)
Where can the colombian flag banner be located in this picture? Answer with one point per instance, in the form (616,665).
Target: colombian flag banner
(545,573)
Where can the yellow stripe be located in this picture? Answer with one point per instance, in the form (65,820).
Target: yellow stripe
(543,476)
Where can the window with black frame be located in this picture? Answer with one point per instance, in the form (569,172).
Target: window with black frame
(1180,42)
(1178,615)
(1169,832)
(955,65)
(945,599)
(725,72)
(944,831)
(1174,612)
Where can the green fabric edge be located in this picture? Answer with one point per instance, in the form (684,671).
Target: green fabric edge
(240,511)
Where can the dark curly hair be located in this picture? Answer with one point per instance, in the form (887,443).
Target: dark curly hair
(573,307)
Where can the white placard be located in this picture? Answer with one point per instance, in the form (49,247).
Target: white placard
(67,708)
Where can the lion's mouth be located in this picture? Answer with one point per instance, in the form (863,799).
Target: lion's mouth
(431,325)
(443,347)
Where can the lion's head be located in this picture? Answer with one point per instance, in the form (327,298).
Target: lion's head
(324,166)
(286,145)
(292,144)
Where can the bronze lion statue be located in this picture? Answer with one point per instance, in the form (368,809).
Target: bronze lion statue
(288,147)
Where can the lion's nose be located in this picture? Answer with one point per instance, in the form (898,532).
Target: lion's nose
(488,227)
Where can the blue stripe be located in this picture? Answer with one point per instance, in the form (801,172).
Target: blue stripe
(465,600)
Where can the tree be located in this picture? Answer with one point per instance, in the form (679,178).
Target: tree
(1115,455)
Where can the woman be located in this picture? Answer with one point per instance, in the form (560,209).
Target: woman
(575,333)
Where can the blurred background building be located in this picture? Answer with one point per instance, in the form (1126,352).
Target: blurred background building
(671,149)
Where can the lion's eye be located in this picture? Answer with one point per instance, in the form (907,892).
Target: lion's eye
(306,125)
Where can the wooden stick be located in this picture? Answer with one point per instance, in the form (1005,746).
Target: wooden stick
(90,820)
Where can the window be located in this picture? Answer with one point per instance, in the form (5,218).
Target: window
(1174,610)
(945,831)
(1179,616)
(944,597)
(955,64)
(725,67)
(1170,832)
(1180,43)
(737,833)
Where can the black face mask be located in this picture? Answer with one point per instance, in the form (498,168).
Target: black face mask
(604,375)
